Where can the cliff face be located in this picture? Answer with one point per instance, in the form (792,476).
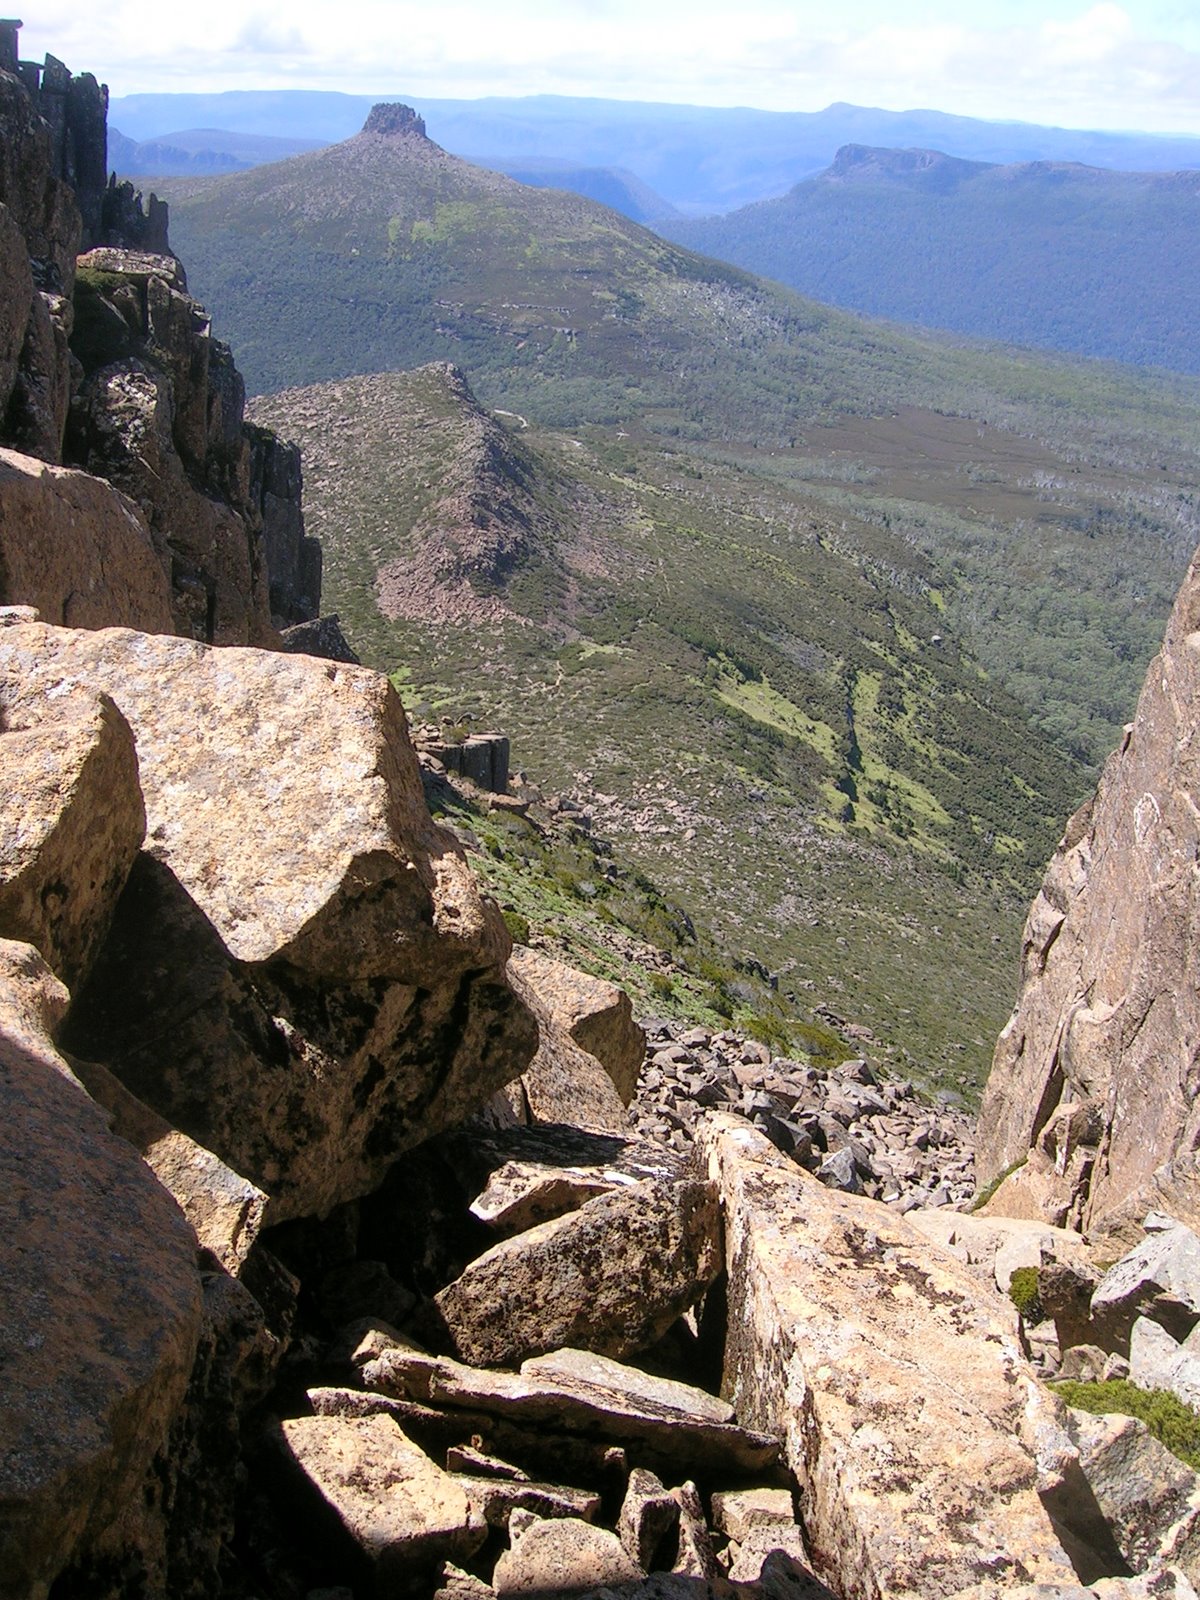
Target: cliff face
(107,364)
(1095,1079)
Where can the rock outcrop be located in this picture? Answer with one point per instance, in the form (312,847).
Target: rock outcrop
(1095,1079)
(301,974)
(921,1441)
(106,363)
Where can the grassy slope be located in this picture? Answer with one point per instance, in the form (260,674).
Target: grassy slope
(741,519)
(741,681)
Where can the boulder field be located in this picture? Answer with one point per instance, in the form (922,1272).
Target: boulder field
(349,1254)
(320,1276)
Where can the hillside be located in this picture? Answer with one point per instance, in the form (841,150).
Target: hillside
(755,692)
(702,159)
(738,553)
(1056,254)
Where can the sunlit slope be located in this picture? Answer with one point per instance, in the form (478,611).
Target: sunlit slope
(384,252)
(760,698)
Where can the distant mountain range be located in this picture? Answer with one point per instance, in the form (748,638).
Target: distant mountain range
(209,152)
(1048,253)
(700,159)
(199,152)
(803,604)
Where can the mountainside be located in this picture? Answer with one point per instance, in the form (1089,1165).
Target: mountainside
(765,454)
(1048,253)
(700,158)
(757,694)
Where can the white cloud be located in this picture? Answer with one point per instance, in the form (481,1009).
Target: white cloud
(1085,65)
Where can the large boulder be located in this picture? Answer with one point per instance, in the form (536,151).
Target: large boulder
(301,973)
(597,1014)
(77,549)
(920,1439)
(611,1277)
(72,824)
(1097,1067)
(101,1312)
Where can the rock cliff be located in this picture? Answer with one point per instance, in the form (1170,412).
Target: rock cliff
(107,364)
(1095,1080)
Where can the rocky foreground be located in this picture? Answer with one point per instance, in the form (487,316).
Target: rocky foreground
(434,1273)
(349,1253)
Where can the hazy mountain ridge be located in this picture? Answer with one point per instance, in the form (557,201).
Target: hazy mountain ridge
(1050,253)
(701,159)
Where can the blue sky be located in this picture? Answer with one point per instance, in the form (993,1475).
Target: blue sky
(1080,63)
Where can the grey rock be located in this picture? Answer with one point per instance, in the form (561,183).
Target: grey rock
(610,1277)
(1159,1279)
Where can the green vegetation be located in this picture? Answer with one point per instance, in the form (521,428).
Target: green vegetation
(1023,1292)
(1170,1421)
(1071,258)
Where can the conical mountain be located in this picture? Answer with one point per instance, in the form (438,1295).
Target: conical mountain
(822,619)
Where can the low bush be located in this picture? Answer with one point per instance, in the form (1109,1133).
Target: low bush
(1170,1421)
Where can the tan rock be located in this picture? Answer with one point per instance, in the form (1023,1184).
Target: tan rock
(1107,1018)
(648,1514)
(597,1014)
(101,1311)
(656,1419)
(302,975)
(563,1557)
(611,1277)
(225,1209)
(72,824)
(918,1435)
(77,549)
(399,1508)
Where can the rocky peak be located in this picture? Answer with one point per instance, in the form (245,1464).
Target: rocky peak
(394,121)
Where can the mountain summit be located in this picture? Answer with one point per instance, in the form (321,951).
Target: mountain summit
(394,121)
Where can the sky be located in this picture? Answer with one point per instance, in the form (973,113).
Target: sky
(1095,64)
